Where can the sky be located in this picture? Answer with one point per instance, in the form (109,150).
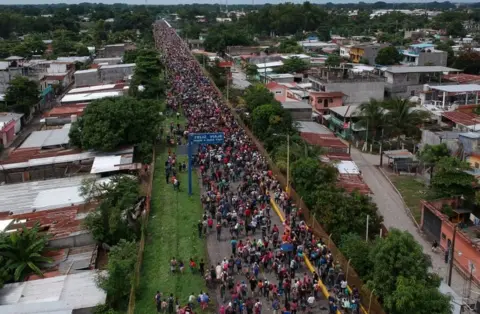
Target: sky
(159,2)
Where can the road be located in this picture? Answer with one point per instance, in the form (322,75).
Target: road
(239,79)
(218,250)
(391,206)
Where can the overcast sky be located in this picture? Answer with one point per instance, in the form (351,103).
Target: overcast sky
(201,1)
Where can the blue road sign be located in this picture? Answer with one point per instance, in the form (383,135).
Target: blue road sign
(206,138)
(200,138)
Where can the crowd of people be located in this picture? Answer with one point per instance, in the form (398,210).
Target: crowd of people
(265,271)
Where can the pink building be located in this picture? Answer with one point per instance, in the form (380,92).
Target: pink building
(281,92)
(7,132)
(323,101)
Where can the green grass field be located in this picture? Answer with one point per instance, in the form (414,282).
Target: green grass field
(413,191)
(171,232)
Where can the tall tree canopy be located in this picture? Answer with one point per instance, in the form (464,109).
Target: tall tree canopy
(388,56)
(22,95)
(109,123)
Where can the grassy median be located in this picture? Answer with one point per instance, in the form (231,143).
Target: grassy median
(171,232)
(412,191)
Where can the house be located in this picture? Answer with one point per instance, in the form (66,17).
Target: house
(424,54)
(300,111)
(345,51)
(109,61)
(86,77)
(196,44)
(323,101)
(357,86)
(315,45)
(317,134)
(405,81)
(85,98)
(268,67)
(342,121)
(438,221)
(10,126)
(282,93)
(367,52)
(279,77)
(116,73)
(450,97)
(470,149)
(114,51)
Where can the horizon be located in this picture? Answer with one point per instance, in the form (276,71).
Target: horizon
(230,2)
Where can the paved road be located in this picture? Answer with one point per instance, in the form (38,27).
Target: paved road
(239,79)
(218,250)
(391,206)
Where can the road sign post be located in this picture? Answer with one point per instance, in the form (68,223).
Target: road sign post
(200,138)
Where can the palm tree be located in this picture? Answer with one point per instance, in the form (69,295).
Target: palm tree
(23,250)
(372,117)
(403,118)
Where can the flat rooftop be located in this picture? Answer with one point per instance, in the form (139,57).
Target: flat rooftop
(346,111)
(56,295)
(87,97)
(91,88)
(419,69)
(463,88)
(290,105)
(313,127)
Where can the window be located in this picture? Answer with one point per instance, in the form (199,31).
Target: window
(278,92)
(412,93)
(330,100)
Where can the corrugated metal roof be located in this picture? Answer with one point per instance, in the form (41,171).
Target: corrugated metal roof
(463,88)
(20,198)
(463,118)
(91,88)
(47,138)
(313,127)
(86,97)
(103,164)
(347,167)
(52,295)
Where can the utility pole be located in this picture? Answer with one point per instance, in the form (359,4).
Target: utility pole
(381,149)
(288,163)
(452,256)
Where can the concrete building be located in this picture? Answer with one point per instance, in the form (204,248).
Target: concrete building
(300,111)
(116,73)
(404,81)
(109,61)
(323,101)
(358,87)
(85,98)
(366,52)
(86,77)
(10,125)
(424,54)
(114,51)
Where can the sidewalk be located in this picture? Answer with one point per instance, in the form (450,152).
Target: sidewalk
(391,206)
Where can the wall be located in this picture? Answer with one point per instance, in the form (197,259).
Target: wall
(86,79)
(357,91)
(301,114)
(318,103)
(57,68)
(113,75)
(76,239)
(436,58)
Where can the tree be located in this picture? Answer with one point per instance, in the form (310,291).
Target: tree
(333,60)
(456,29)
(120,273)
(251,70)
(341,213)
(293,65)
(289,46)
(308,173)
(112,221)
(372,117)
(468,61)
(34,45)
(388,56)
(403,118)
(22,95)
(431,154)
(264,117)
(147,75)
(417,296)
(450,178)
(224,35)
(257,95)
(110,123)
(22,251)
(399,267)
(357,250)
(81,50)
